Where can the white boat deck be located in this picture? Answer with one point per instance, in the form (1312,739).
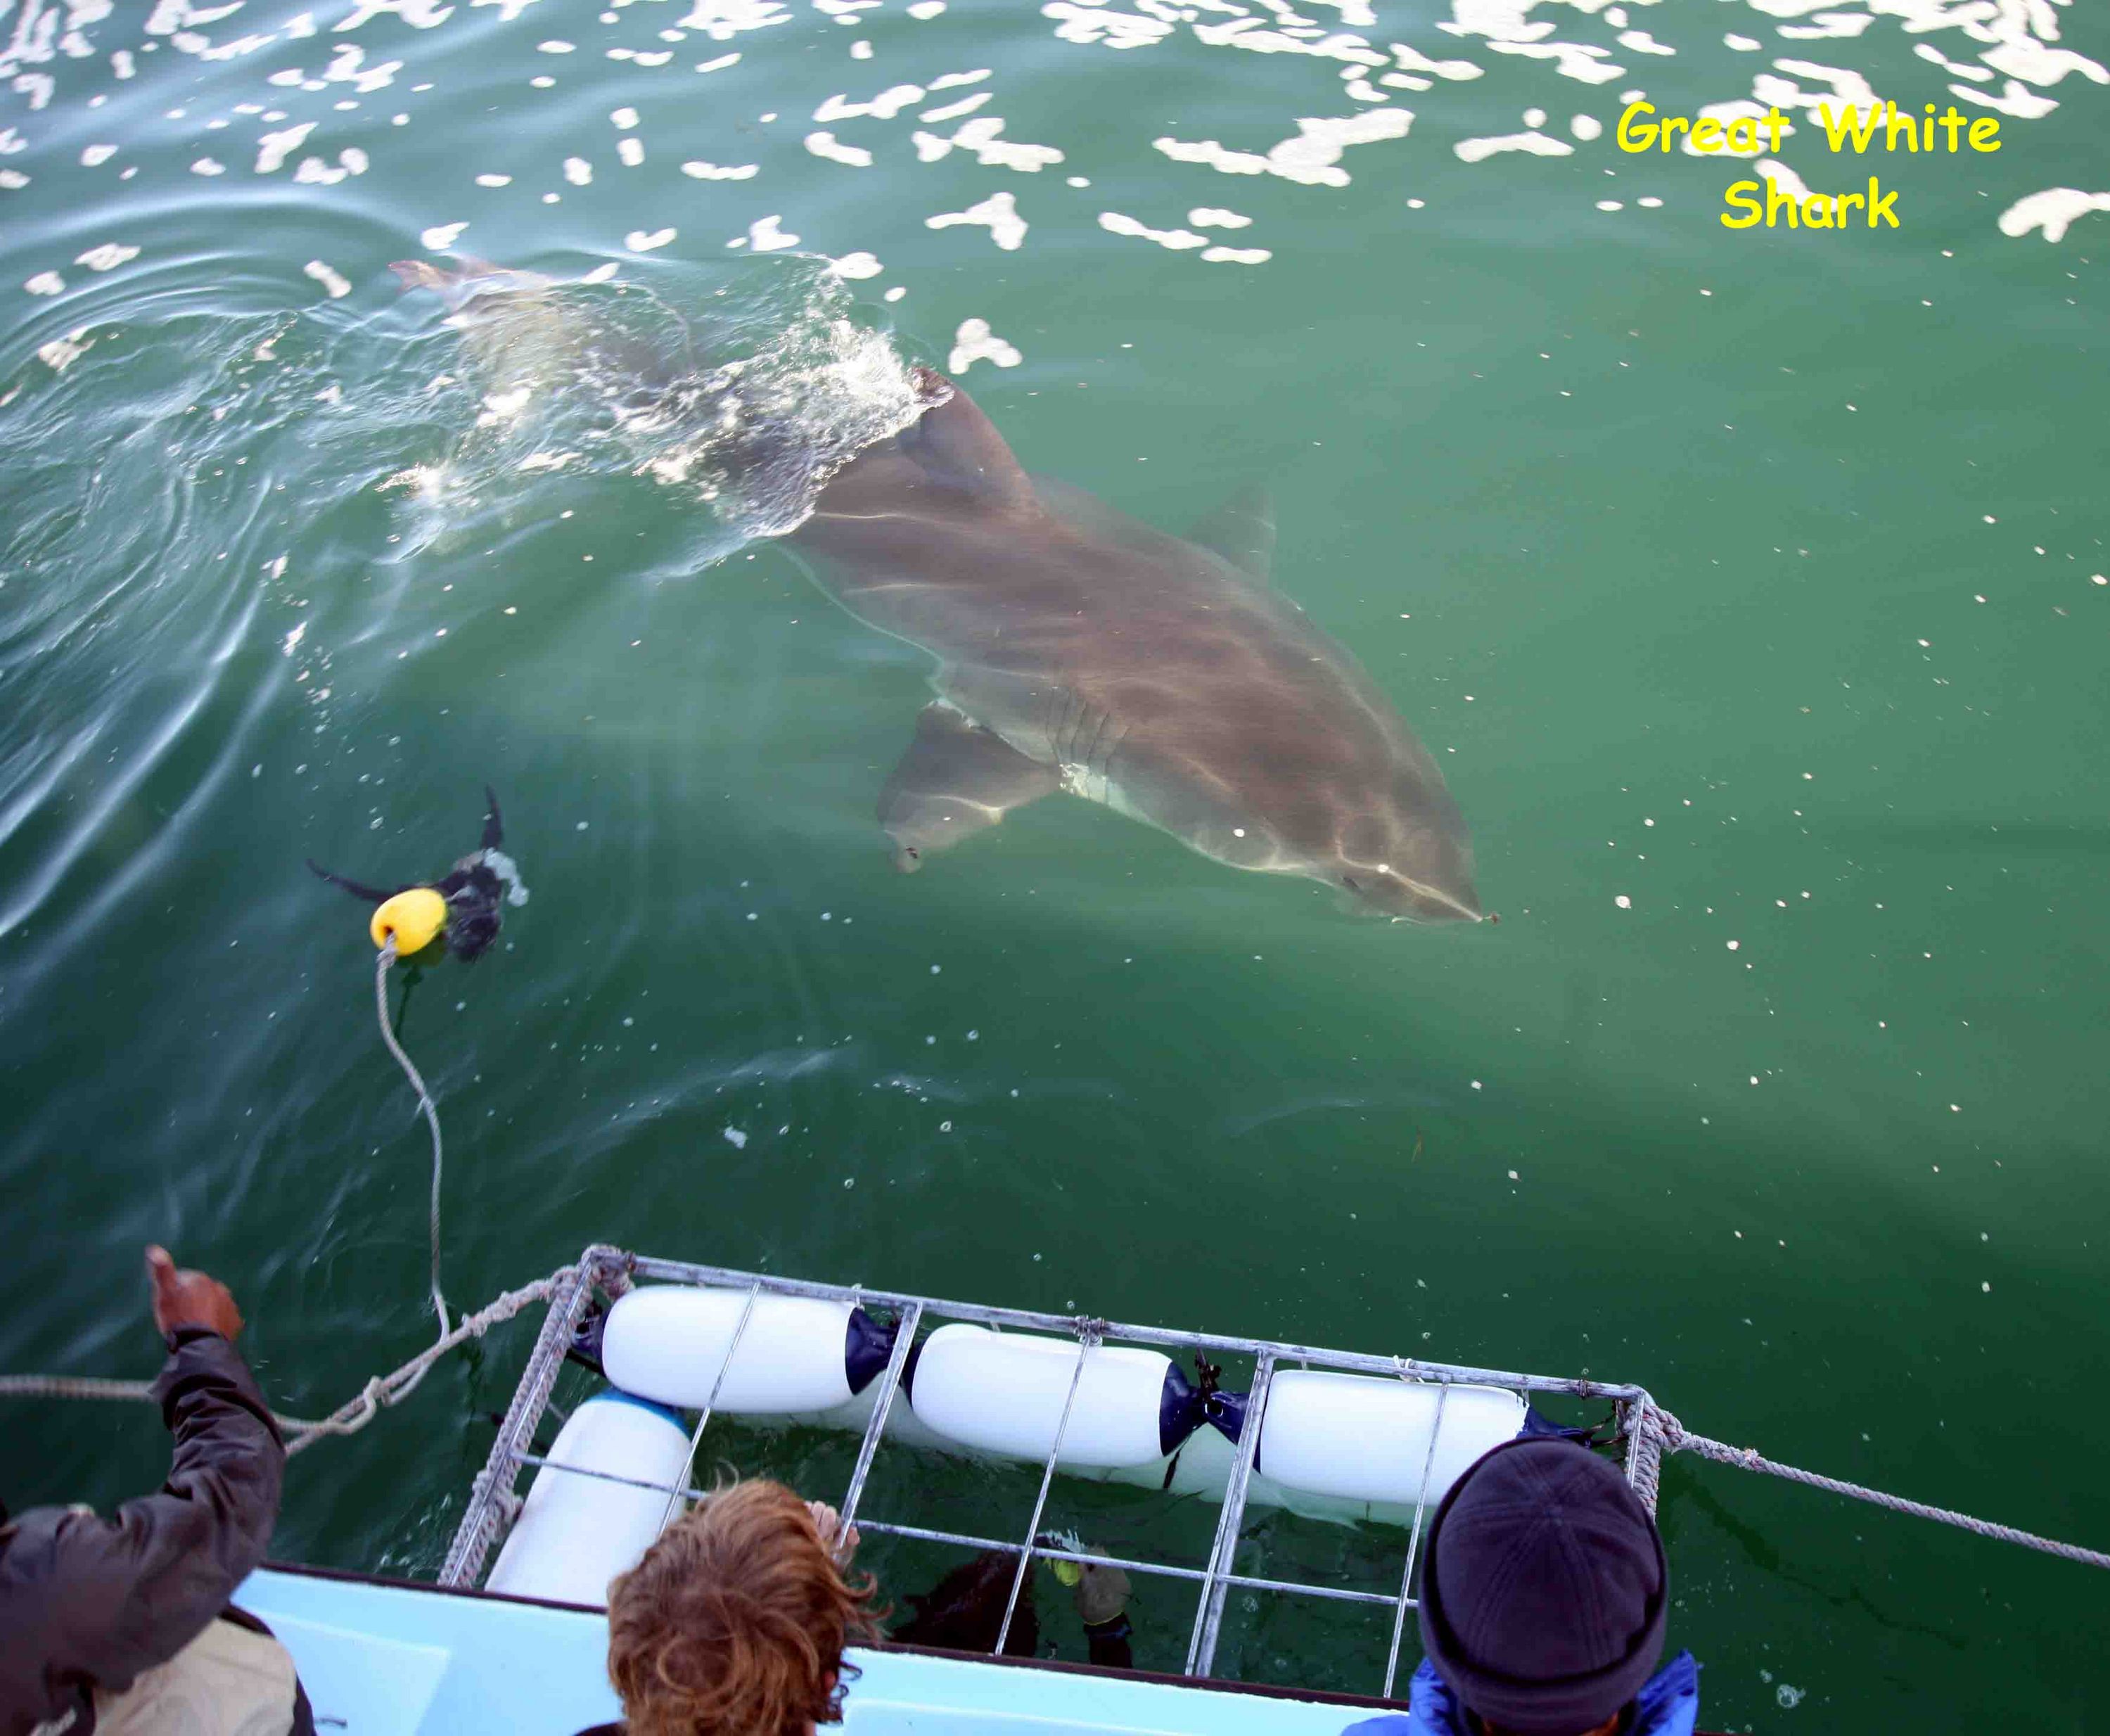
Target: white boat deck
(386,1660)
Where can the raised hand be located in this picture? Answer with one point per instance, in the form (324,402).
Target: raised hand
(189,1298)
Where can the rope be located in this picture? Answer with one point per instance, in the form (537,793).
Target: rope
(1675,1437)
(1657,1427)
(383,1390)
(354,1414)
(1641,1423)
(70,1386)
(348,1418)
(388,958)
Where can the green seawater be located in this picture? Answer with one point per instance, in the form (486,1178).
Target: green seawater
(1746,586)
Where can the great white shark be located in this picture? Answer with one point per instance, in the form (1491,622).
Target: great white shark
(1081,651)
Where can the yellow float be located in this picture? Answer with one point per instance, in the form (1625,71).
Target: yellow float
(413,920)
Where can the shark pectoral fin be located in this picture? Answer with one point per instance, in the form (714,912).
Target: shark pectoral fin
(956,779)
(1242,530)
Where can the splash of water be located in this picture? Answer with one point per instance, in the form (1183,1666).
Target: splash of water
(741,407)
(160,472)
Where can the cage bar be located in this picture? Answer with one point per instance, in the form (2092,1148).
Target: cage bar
(1209,1617)
(1087,1341)
(612,1270)
(904,1336)
(492,1488)
(1405,1601)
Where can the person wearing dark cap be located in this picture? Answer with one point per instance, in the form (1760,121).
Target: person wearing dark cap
(1543,1598)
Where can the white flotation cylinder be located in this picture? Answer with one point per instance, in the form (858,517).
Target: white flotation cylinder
(797,1353)
(576,1533)
(1004,1392)
(903,1425)
(1359,1438)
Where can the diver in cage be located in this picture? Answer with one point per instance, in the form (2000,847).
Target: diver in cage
(464,907)
(1544,1593)
(964,1611)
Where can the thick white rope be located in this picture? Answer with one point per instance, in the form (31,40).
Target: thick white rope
(348,1418)
(381,968)
(352,1416)
(355,1414)
(377,1394)
(1676,1439)
(71,1386)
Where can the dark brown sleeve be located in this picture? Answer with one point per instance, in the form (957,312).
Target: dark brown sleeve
(106,1598)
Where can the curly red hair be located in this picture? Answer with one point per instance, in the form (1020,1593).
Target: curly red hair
(735,1622)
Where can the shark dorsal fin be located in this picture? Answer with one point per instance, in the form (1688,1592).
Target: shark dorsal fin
(1242,530)
(958,447)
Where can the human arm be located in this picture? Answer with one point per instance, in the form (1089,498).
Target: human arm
(1102,1600)
(87,1601)
(1100,1591)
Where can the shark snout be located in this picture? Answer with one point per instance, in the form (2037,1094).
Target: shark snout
(1436,904)
(1413,897)
(1407,857)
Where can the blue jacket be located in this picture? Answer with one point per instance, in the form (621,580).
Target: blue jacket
(1668,1705)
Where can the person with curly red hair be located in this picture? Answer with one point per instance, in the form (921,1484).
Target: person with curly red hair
(735,1622)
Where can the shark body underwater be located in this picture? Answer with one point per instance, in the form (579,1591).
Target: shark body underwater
(1082,651)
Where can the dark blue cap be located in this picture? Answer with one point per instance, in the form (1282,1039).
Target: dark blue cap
(1544,1589)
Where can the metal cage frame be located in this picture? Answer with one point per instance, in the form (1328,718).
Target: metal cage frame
(493,1502)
